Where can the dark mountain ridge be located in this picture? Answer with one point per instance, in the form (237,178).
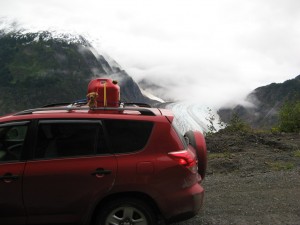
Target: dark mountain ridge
(43,68)
(266,102)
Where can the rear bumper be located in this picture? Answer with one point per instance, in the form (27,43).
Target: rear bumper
(183,204)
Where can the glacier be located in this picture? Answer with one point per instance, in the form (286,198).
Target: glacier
(194,116)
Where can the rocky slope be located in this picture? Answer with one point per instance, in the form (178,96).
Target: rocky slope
(252,152)
(265,103)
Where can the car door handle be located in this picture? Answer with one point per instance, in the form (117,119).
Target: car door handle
(8,177)
(100,172)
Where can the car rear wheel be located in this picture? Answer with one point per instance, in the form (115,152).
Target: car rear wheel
(196,139)
(126,211)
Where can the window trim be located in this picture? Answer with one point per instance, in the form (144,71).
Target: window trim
(15,123)
(70,121)
(47,121)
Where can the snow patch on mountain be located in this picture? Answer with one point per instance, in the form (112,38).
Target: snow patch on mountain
(151,96)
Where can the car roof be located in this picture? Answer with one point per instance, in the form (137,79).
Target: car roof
(84,112)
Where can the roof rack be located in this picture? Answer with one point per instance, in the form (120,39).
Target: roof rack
(143,111)
(137,104)
(57,104)
(74,103)
(84,102)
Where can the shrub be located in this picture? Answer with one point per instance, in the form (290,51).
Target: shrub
(237,124)
(289,117)
(211,119)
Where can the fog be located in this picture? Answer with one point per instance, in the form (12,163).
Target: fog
(212,52)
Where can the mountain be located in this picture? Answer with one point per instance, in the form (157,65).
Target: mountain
(41,68)
(152,87)
(264,104)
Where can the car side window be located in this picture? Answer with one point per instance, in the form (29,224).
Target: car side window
(69,139)
(128,135)
(12,139)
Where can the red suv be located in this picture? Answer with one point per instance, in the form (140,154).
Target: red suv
(106,166)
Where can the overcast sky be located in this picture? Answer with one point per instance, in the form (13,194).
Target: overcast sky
(211,51)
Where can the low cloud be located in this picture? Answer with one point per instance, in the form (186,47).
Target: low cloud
(205,51)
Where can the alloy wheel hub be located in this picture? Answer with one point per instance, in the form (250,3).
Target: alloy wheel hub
(126,221)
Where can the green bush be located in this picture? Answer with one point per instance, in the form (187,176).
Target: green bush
(236,124)
(289,117)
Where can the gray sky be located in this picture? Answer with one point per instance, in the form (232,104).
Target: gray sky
(210,51)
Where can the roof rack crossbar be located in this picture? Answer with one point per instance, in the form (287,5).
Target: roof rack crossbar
(30,111)
(137,104)
(143,111)
(57,104)
(74,103)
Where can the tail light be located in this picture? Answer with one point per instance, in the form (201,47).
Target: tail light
(185,158)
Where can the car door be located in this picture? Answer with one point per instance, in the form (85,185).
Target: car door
(12,139)
(71,170)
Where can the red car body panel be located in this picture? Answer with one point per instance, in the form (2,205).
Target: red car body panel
(64,190)
(11,199)
(69,184)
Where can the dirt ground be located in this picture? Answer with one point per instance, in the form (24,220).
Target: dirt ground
(252,178)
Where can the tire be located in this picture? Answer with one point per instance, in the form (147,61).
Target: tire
(196,139)
(126,211)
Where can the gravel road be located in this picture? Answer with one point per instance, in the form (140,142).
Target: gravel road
(269,198)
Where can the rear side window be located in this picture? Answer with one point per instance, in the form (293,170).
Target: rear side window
(128,135)
(68,138)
